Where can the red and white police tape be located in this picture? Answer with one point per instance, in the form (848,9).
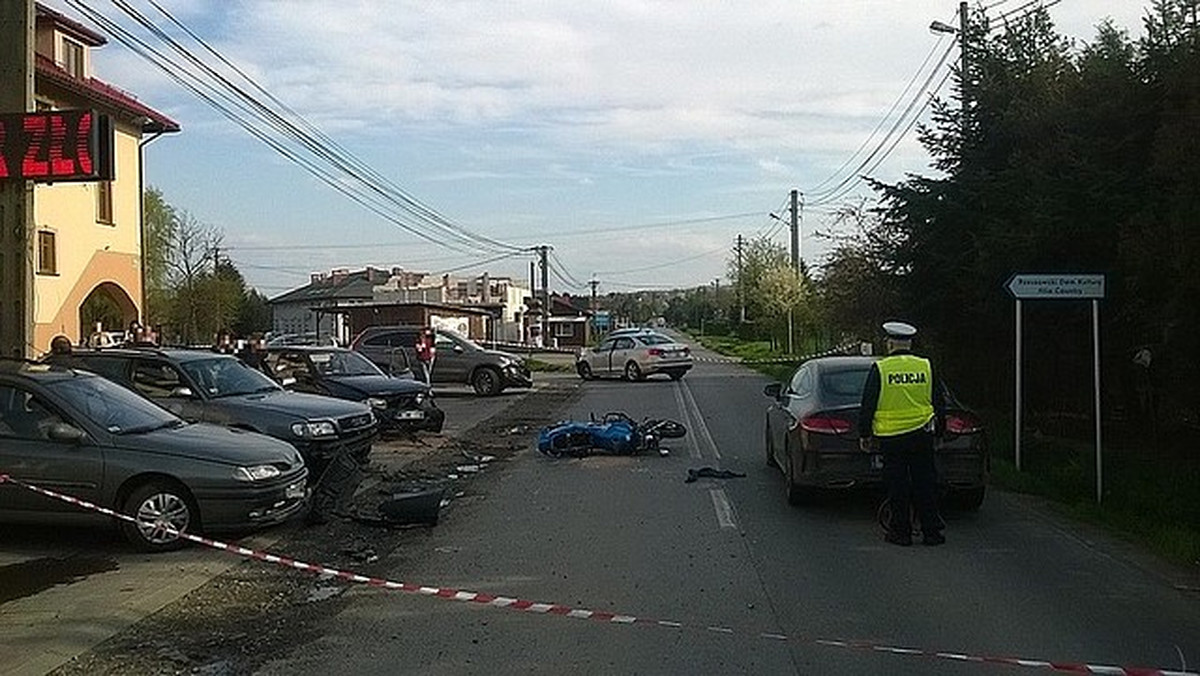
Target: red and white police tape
(847,348)
(613,618)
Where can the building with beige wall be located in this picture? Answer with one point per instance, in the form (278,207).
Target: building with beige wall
(88,251)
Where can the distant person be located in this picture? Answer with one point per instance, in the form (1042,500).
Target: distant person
(904,408)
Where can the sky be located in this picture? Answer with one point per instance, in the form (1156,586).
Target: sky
(637,138)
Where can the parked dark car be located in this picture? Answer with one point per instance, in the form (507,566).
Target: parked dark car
(811,433)
(399,403)
(457,358)
(82,435)
(218,388)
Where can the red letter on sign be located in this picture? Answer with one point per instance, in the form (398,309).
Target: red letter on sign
(83,152)
(35,129)
(59,166)
(3,161)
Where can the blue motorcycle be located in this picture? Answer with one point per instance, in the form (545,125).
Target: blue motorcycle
(615,434)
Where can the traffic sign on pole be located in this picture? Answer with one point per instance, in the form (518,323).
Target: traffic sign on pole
(1056,287)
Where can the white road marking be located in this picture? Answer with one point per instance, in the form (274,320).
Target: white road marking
(688,421)
(723,508)
(701,429)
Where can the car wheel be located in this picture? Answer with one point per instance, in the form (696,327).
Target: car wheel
(633,371)
(486,381)
(585,370)
(796,495)
(160,508)
(969,500)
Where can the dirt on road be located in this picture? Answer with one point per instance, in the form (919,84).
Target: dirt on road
(257,611)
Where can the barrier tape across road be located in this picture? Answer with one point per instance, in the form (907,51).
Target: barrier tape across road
(497,601)
(839,350)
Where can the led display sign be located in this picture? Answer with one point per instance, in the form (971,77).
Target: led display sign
(56,145)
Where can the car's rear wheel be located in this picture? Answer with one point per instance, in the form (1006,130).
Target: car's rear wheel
(633,371)
(585,370)
(486,381)
(796,495)
(163,509)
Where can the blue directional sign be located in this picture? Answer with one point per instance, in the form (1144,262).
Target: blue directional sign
(1056,287)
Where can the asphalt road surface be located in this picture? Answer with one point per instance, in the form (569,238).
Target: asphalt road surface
(722,576)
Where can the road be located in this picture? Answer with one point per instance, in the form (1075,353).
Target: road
(723,576)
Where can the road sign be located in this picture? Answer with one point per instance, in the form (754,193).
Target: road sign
(1056,287)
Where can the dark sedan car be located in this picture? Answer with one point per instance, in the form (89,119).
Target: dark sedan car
(81,435)
(218,388)
(811,434)
(399,403)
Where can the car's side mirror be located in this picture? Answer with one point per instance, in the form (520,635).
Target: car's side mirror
(182,393)
(772,390)
(458,349)
(61,431)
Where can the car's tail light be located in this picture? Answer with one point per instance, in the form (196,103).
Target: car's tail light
(825,424)
(962,423)
(654,352)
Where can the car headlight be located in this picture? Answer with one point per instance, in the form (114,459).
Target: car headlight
(419,398)
(320,428)
(256,473)
(376,402)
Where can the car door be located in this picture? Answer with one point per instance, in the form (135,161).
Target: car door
(622,352)
(600,357)
(451,360)
(28,453)
(163,383)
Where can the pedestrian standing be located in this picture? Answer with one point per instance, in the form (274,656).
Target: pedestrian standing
(904,409)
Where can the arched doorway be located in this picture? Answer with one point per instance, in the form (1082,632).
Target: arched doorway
(108,305)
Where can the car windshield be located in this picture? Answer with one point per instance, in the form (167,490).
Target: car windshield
(343,363)
(654,339)
(227,377)
(111,406)
(844,387)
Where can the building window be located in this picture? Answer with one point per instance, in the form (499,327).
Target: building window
(104,202)
(72,57)
(47,253)
(564,330)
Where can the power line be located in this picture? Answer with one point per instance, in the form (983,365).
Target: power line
(370,190)
(832,194)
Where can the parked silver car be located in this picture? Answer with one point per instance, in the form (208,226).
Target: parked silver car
(634,357)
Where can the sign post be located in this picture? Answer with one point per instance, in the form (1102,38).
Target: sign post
(1060,287)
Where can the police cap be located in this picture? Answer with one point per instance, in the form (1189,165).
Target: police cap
(899,330)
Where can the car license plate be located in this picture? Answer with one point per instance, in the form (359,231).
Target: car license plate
(876,461)
(296,491)
(410,415)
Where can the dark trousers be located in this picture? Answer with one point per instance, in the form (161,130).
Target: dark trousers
(911,478)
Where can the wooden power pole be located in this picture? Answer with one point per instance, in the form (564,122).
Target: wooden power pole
(16,194)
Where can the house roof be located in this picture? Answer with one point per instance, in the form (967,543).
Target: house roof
(104,95)
(70,26)
(351,286)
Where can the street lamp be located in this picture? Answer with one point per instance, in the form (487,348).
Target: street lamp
(939,27)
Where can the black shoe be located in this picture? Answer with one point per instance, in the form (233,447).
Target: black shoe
(898,539)
(933,540)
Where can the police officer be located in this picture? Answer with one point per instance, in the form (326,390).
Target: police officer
(904,408)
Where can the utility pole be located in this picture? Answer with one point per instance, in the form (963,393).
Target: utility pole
(962,56)
(543,250)
(593,283)
(796,231)
(740,285)
(16,196)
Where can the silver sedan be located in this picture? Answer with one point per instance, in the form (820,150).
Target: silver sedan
(634,357)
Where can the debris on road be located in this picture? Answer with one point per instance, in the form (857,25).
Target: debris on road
(711,473)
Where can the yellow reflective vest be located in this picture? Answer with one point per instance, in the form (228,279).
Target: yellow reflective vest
(905,395)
